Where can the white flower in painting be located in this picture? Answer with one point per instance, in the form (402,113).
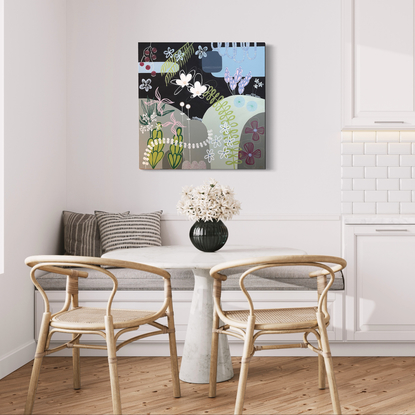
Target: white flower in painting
(224,153)
(225,128)
(146,84)
(198,89)
(208,202)
(169,52)
(258,83)
(179,56)
(210,156)
(184,80)
(217,141)
(201,52)
(228,141)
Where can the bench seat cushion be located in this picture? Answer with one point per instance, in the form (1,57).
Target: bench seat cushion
(283,278)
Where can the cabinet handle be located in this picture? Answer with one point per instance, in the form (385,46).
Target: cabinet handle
(391,230)
(389,122)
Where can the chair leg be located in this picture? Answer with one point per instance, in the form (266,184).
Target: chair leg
(173,352)
(112,363)
(325,346)
(321,368)
(214,356)
(76,363)
(243,375)
(37,363)
(321,373)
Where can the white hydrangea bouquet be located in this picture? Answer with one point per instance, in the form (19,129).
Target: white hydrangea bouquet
(208,202)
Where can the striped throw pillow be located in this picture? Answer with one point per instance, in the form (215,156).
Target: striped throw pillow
(81,236)
(122,231)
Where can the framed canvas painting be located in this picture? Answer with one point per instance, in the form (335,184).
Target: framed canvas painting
(201,105)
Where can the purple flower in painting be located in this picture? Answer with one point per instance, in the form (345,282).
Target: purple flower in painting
(244,82)
(255,131)
(227,76)
(249,154)
(233,81)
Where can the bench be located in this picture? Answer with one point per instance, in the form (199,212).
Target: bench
(284,278)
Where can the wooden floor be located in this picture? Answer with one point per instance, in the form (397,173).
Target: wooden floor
(276,385)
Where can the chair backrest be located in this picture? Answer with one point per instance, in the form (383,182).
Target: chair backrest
(322,263)
(67,265)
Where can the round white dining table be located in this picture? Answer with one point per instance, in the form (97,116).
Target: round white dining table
(195,364)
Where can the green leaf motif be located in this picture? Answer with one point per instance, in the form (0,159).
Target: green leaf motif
(176,151)
(155,158)
(157,152)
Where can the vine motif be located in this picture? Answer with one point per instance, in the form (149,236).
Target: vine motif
(227,117)
(212,96)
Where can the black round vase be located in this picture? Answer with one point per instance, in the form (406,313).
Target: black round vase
(208,236)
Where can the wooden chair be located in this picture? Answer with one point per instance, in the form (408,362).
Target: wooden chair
(243,323)
(102,321)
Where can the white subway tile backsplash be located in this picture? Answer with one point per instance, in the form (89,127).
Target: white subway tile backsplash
(347,160)
(352,148)
(353,196)
(376,172)
(353,172)
(387,136)
(387,184)
(389,160)
(359,160)
(376,148)
(399,172)
(407,160)
(376,196)
(364,184)
(399,196)
(407,184)
(347,208)
(407,136)
(364,136)
(407,208)
(347,184)
(399,148)
(367,208)
(386,208)
(347,136)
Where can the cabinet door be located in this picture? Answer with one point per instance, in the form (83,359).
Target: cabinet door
(378,73)
(380,283)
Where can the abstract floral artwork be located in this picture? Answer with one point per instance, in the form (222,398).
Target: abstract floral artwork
(201,105)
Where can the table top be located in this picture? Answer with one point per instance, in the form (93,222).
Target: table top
(181,256)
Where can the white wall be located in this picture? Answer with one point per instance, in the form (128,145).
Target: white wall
(71,128)
(35,164)
(303,113)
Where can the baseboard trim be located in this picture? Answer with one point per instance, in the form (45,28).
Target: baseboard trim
(13,360)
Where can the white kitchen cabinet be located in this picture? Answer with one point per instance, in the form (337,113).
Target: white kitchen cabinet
(378,64)
(380,282)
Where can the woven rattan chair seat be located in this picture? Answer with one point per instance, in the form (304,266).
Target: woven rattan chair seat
(281,318)
(84,318)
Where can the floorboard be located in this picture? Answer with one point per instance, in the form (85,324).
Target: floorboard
(276,385)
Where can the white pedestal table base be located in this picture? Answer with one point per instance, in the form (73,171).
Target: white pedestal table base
(195,365)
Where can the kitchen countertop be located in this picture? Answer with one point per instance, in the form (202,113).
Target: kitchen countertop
(378,219)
